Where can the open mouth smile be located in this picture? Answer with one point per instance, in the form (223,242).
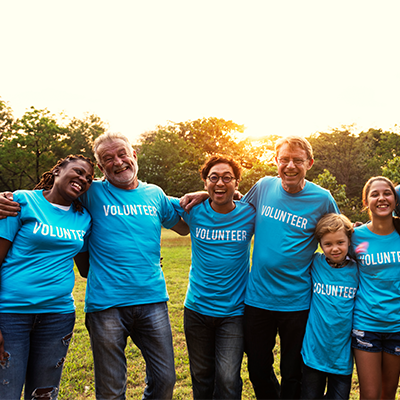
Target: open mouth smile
(76,186)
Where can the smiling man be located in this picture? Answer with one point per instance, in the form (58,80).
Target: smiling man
(278,292)
(279,289)
(221,232)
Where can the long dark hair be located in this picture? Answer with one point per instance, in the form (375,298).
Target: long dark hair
(47,180)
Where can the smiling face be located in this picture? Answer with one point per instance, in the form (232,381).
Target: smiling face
(70,181)
(118,163)
(335,245)
(293,165)
(221,193)
(380,200)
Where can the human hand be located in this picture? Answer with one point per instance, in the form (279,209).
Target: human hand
(8,207)
(237,195)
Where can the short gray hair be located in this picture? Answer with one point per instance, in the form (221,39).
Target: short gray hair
(293,141)
(109,137)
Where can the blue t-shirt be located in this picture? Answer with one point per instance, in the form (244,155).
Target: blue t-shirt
(327,341)
(284,243)
(220,258)
(124,245)
(37,274)
(377,306)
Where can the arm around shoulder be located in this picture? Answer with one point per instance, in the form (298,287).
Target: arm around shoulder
(8,207)
(181,227)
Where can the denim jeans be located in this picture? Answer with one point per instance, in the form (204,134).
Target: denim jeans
(215,347)
(37,345)
(314,383)
(149,327)
(260,330)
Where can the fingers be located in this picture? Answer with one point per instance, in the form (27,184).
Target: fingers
(8,207)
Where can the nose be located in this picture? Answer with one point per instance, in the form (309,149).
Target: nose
(118,161)
(291,162)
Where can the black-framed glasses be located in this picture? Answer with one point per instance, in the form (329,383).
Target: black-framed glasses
(296,161)
(214,178)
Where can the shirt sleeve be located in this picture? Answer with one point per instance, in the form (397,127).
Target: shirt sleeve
(10,226)
(169,216)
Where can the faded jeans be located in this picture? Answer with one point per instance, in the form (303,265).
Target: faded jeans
(37,345)
(149,327)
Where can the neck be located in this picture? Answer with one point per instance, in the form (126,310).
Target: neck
(296,189)
(53,197)
(380,226)
(224,209)
(129,186)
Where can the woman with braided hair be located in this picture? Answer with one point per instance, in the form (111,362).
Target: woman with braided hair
(37,312)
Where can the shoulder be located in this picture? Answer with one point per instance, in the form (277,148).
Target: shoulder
(244,208)
(312,187)
(28,196)
(318,257)
(149,187)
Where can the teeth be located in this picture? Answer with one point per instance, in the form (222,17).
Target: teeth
(120,170)
(76,185)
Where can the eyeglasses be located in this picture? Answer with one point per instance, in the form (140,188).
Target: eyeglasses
(214,178)
(296,161)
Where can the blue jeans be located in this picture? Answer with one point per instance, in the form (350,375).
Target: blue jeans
(261,327)
(215,347)
(314,383)
(149,327)
(37,345)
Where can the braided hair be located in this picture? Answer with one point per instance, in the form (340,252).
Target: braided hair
(47,180)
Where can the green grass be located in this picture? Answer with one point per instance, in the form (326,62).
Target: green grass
(78,381)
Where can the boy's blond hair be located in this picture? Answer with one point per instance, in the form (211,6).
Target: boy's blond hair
(331,223)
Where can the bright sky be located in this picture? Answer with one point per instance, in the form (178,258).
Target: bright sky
(277,67)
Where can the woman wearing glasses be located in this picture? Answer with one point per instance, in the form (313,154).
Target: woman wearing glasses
(221,230)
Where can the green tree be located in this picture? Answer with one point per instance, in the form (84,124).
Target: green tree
(210,135)
(6,118)
(338,191)
(253,175)
(29,149)
(380,147)
(166,160)
(81,133)
(392,170)
(344,155)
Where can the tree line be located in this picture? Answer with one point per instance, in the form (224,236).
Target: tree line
(171,155)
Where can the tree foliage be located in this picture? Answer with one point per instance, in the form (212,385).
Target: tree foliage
(166,160)
(31,145)
(343,154)
(338,191)
(392,170)
(257,171)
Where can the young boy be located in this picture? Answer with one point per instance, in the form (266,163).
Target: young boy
(326,348)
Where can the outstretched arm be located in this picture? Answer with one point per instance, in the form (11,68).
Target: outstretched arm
(190,200)
(8,207)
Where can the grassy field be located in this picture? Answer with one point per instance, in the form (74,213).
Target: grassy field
(77,381)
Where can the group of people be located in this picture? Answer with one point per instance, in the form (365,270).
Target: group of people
(112,228)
